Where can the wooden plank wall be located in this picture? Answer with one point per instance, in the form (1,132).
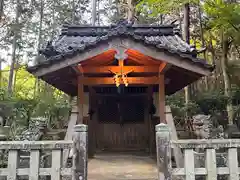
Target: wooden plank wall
(126,137)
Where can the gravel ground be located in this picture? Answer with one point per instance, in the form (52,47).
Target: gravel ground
(122,167)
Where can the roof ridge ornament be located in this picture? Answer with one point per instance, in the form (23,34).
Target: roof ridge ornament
(122,27)
(120,49)
(123,22)
(121,53)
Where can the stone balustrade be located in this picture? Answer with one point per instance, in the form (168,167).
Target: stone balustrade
(35,170)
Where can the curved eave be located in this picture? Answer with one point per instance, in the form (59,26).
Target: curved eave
(58,69)
(186,56)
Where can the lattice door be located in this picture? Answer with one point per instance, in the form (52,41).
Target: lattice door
(121,124)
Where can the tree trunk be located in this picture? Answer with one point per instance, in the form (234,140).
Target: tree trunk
(94,9)
(73,12)
(186,24)
(48,90)
(15,79)
(1,9)
(118,5)
(36,85)
(213,61)
(98,10)
(161,19)
(14,47)
(1,72)
(227,84)
(40,26)
(203,43)
(130,12)
(180,19)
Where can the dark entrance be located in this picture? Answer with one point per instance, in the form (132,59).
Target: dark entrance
(121,121)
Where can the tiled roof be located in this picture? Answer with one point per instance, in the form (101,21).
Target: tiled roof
(76,39)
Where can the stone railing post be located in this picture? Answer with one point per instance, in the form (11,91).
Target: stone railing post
(80,149)
(163,151)
(3,137)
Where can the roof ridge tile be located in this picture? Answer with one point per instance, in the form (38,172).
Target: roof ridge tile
(164,38)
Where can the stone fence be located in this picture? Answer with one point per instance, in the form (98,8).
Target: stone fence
(210,171)
(34,170)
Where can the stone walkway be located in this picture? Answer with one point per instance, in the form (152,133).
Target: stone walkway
(121,167)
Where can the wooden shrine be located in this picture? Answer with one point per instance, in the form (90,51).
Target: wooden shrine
(121,75)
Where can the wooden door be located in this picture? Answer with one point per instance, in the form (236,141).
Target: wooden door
(126,137)
(121,124)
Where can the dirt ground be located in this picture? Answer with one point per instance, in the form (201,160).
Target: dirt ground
(122,167)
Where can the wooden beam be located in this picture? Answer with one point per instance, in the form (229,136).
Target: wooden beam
(109,69)
(143,95)
(162,99)
(101,59)
(162,67)
(80,68)
(76,70)
(120,62)
(141,58)
(110,80)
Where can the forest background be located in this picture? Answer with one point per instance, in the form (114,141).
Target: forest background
(212,26)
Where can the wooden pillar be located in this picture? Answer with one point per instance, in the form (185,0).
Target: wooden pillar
(149,119)
(80,148)
(92,123)
(80,100)
(161,93)
(146,122)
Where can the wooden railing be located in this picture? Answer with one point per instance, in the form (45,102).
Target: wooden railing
(211,171)
(78,170)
